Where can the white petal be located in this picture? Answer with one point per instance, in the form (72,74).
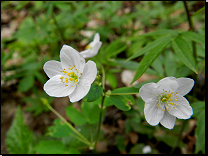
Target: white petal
(87,53)
(52,68)
(183,110)
(69,56)
(153,114)
(55,88)
(80,91)
(91,52)
(168,121)
(89,72)
(184,86)
(96,37)
(168,84)
(148,91)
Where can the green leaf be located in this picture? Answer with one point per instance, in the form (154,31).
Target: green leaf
(197,37)
(122,102)
(115,48)
(120,143)
(26,83)
(94,114)
(198,107)
(200,132)
(150,57)
(75,116)
(158,66)
(87,130)
(170,65)
(130,65)
(169,140)
(161,32)
(183,51)
(19,139)
(94,93)
(161,42)
(137,149)
(112,80)
(60,129)
(51,147)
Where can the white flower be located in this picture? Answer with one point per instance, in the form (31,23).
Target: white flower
(71,77)
(164,101)
(92,48)
(146,149)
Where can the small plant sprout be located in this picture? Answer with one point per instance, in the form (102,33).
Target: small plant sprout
(92,48)
(71,77)
(164,101)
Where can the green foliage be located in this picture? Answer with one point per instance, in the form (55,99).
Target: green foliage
(184,52)
(59,130)
(94,93)
(19,139)
(199,113)
(75,116)
(200,133)
(122,102)
(36,104)
(154,51)
(54,147)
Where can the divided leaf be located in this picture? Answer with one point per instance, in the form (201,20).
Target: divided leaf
(75,116)
(19,139)
(60,129)
(151,56)
(183,51)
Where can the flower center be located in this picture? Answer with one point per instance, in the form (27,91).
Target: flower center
(166,99)
(88,47)
(71,75)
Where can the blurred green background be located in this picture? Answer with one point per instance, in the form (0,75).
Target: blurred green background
(33,32)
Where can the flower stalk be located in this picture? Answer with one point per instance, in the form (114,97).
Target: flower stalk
(80,136)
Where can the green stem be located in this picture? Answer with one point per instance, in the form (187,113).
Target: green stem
(102,101)
(99,125)
(70,126)
(122,93)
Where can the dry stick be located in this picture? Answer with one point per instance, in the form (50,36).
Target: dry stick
(191,28)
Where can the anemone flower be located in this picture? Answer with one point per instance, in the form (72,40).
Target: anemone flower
(164,101)
(92,48)
(71,77)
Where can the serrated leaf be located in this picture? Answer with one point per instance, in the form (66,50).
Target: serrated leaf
(94,93)
(75,116)
(183,51)
(199,38)
(200,132)
(50,147)
(60,129)
(19,139)
(161,42)
(150,57)
(26,83)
